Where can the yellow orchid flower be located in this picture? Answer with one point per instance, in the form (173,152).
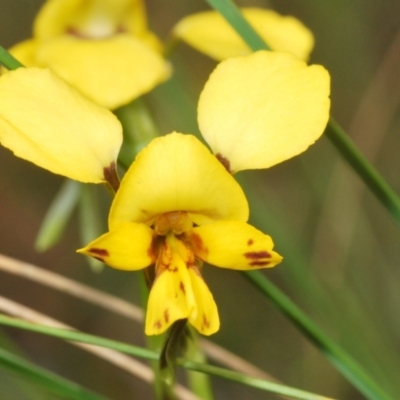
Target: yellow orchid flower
(209,33)
(176,212)
(49,123)
(178,206)
(102,47)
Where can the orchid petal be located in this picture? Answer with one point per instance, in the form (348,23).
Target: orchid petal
(211,34)
(177,173)
(130,247)
(259,110)
(233,245)
(47,122)
(111,72)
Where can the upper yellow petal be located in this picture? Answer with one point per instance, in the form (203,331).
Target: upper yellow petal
(234,245)
(211,34)
(177,173)
(262,109)
(111,72)
(47,122)
(90,18)
(129,247)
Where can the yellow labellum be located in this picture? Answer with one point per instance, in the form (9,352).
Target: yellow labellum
(210,33)
(47,122)
(262,109)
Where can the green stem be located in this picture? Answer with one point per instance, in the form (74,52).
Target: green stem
(8,60)
(343,361)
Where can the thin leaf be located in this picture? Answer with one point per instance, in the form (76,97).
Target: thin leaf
(8,60)
(46,379)
(151,355)
(58,215)
(343,362)
(90,221)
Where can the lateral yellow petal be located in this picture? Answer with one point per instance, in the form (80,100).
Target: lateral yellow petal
(262,109)
(130,247)
(210,33)
(176,172)
(234,245)
(204,316)
(171,296)
(47,122)
(111,72)
(90,18)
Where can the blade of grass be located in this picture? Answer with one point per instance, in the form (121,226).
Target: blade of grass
(343,361)
(151,355)
(58,215)
(46,379)
(371,177)
(8,60)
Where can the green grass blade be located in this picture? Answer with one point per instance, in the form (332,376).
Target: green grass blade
(46,379)
(334,132)
(232,14)
(58,215)
(151,355)
(8,60)
(343,362)
(367,172)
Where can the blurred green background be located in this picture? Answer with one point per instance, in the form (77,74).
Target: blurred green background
(340,245)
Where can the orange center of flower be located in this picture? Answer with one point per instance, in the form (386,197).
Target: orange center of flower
(176,222)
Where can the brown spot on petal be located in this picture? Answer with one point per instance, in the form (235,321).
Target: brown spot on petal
(182,287)
(255,255)
(155,247)
(197,245)
(206,322)
(250,242)
(110,174)
(224,161)
(166,316)
(99,252)
(259,263)
(157,324)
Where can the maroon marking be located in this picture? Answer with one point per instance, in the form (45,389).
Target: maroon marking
(197,244)
(259,263)
(99,252)
(206,322)
(254,255)
(250,242)
(182,287)
(157,324)
(171,269)
(166,316)
(224,161)
(110,174)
